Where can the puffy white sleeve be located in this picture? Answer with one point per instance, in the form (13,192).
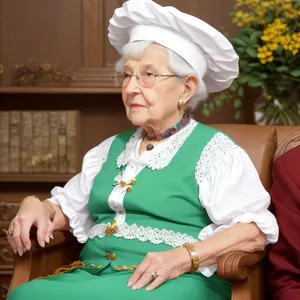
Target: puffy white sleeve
(74,196)
(231,192)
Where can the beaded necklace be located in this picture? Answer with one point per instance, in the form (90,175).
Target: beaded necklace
(168,132)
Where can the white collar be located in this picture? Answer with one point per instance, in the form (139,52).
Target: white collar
(161,155)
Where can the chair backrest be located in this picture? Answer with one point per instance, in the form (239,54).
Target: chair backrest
(288,138)
(259,142)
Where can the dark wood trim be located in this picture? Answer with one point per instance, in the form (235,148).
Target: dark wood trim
(35,177)
(58,90)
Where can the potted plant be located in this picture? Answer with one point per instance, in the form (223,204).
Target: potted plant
(268,44)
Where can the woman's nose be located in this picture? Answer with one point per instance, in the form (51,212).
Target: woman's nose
(133,85)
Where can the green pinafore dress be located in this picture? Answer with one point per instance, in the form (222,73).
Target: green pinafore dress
(162,210)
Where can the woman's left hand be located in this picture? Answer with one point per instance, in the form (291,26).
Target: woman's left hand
(159,267)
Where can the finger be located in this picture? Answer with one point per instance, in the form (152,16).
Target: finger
(144,280)
(156,283)
(25,227)
(49,230)
(12,243)
(139,271)
(41,233)
(17,237)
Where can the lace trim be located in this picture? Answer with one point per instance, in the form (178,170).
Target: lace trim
(102,151)
(219,145)
(142,234)
(160,159)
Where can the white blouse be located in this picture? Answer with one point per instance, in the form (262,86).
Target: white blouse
(229,186)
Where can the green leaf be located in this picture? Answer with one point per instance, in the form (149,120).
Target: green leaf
(279,50)
(241,92)
(246,78)
(237,103)
(206,112)
(295,72)
(263,76)
(271,68)
(247,40)
(255,82)
(211,106)
(233,88)
(282,69)
(219,102)
(239,42)
(252,52)
(237,115)
(255,36)
(244,64)
(270,17)
(247,31)
(241,50)
(222,96)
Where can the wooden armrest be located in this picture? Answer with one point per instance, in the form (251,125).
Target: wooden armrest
(39,261)
(235,265)
(59,237)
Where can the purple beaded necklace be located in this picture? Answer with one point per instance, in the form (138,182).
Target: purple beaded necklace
(168,132)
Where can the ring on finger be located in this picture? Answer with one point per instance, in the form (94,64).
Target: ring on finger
(9,231)
(155,274)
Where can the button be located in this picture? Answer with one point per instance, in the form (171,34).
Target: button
(120,211)
(113,256)
(107,256)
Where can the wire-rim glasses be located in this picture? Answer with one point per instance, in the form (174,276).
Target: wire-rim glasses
(144,78)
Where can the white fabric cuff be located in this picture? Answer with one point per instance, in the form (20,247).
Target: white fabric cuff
(77,229)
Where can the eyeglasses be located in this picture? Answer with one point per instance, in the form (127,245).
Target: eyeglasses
(144,78)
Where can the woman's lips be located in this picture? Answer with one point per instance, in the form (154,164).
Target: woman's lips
(136,105)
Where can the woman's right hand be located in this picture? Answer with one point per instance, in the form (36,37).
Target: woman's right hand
(32,212)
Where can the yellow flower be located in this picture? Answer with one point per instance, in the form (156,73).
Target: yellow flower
(261,55)
(295,51)
(273,47)
(270,59)
(265,38)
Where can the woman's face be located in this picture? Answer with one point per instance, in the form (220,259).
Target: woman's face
(157,106)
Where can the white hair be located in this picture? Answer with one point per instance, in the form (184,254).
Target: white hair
(176,63)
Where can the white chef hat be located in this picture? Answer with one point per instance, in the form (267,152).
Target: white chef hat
(208,51)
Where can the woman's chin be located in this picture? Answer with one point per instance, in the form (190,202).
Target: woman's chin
(137,119)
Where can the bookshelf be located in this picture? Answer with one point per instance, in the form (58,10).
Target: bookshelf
(35,178)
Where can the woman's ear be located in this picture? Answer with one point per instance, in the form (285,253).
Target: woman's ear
(190,84)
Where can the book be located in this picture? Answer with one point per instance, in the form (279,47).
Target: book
(4,142)
(39,141)
(15,141)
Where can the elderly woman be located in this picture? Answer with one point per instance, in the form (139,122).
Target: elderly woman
(167,200)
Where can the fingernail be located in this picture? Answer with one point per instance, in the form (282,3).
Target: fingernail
(51,236)
(129,283)
(15,251)
(27,247)
(47,240)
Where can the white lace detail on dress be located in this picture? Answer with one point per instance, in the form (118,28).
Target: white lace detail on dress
(130,148)
(102,151)
(220,144)
(159,159)
(143,234)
